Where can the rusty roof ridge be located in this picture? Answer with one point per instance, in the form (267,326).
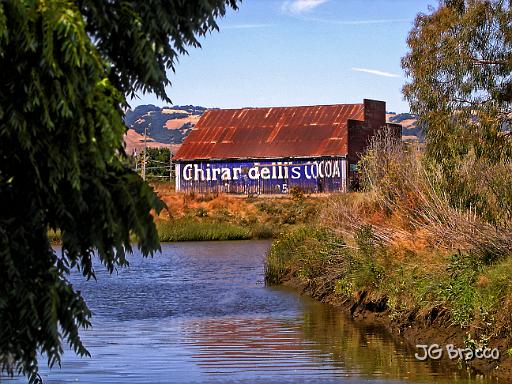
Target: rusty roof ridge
(284,107)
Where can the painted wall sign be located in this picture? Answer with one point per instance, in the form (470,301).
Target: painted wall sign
(314,175)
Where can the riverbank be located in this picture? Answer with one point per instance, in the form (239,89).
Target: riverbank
(429,259)
(197,217)
(219,217)
(426,295)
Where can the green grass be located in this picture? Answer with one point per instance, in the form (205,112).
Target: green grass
(188,229)
(301,252)
(476,294)
(269,218)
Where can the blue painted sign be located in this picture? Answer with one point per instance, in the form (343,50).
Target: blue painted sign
(310,175)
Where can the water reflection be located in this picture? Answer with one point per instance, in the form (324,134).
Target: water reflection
(199,312)
(321,344)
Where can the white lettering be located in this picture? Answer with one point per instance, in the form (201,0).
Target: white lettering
(216,172)
(286,170)
(336,169)
(208,173)
(314,170)
(328,168)
(274,171)
(236,173)
(254,173)
(467,354)
(453,352)
(295,173)
(320,167)
(425,353)
(435,352)
(265,174)
(280,170)
(187,172)
(198,173)
(226,174)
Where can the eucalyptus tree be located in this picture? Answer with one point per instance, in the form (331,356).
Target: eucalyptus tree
(66,70)
(460,70)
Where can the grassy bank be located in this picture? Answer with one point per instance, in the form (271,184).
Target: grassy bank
(196,217)
(210,217)
(405,252)
(186,229)
(434,297)
(477,296)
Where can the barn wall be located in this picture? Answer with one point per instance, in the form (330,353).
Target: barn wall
(272,176)
(360,133)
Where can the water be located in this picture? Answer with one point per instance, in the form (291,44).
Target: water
(200,313)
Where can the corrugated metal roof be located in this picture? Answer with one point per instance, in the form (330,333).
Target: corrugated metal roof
(271,132)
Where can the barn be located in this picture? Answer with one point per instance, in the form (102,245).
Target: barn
(271,150)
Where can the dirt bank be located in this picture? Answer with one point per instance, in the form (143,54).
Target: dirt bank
(416,328)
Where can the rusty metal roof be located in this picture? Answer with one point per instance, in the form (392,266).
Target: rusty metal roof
(271,132)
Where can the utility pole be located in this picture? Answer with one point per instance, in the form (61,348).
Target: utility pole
(144,157)
(170,165)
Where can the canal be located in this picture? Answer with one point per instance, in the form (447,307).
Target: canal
(200,313)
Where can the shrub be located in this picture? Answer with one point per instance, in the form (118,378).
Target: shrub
(404,198)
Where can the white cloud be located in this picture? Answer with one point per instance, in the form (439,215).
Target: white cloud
(298,7)
(375,72)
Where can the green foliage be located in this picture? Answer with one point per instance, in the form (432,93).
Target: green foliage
(344,286)
(305,252)
(298,211)
(157,163)
(67,68)
(365,241)
(283,250)
(460,289)
(297,193)
(459,65)
(263,231)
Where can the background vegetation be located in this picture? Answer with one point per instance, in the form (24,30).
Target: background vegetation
(158,163)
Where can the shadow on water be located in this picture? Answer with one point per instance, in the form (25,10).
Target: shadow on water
(199,312)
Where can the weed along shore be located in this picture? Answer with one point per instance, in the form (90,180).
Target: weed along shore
(209,217)
(408,254)
(446,300)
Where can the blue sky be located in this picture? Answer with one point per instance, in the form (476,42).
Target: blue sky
(299,52)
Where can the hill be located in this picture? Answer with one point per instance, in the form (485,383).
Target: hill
(166,127)
(411,131)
